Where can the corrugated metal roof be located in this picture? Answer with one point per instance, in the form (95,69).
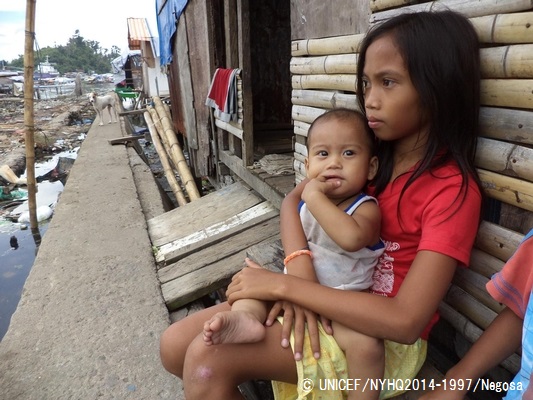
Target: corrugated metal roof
(138,32)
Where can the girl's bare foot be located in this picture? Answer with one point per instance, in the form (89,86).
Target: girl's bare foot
(233,327)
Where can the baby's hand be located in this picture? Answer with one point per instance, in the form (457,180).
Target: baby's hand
(318,185)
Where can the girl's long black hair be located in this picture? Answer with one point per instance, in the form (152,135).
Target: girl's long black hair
(441,52)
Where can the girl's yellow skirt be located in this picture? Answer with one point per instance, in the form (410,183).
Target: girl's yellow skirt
(327,377)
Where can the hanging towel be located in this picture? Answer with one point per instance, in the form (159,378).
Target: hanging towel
(223,94)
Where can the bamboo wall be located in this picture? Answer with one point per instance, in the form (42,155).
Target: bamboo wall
(323,77)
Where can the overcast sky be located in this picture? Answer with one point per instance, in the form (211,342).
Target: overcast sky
(103,21)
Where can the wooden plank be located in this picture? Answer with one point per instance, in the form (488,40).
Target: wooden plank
(223,249)
(236,165)
(185,79)
(214,233)
(192,286)
(206,211)
(235,128)
(132,112)
(125,139)
(230,28)
(269,254)
(202,66)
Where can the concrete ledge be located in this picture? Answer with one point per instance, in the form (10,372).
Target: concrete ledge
(91,312)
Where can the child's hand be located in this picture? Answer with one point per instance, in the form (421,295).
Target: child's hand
(318,186)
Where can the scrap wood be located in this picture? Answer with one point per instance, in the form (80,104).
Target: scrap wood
(125,139)
(7,173)
(132,112)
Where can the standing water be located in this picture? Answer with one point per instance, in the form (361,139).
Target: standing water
(19,245)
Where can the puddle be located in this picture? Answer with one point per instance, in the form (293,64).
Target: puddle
(17,255)
(15,266)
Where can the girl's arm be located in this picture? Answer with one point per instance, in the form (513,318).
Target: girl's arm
(401,318)
(292,239)
(498,342)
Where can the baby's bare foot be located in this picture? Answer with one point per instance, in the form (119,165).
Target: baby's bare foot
(233,327)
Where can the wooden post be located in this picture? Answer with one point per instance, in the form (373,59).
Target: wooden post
(28,111)
(245,64)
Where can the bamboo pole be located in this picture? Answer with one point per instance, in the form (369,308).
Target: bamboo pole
(516,192)
(505,158)
(515,61)
(467,305)
(471,332)
(28,112)
(159,128)
(516,93)
(301,128)
(330,64)
(324,99)
(177,154)
(167,168)
(469,9)
(164,141)
(497,241)
(504,28)
(507,124)
(484,263)
(325,46)
(474,284)
(345,82)
(306,114)
(380,5)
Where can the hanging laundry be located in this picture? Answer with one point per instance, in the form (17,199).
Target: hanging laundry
(223,94)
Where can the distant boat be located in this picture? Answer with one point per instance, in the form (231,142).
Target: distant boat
(45,70)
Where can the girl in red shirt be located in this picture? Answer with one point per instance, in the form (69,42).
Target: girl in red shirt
(418,83)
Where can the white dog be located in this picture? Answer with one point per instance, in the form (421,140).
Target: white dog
(100,103)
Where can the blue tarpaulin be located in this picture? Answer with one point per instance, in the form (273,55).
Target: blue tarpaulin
(167,14)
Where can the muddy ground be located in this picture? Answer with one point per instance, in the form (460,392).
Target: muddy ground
(60,124)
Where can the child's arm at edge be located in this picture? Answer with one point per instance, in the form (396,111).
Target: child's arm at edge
(499,341)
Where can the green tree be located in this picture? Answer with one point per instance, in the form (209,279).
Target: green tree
(78,54)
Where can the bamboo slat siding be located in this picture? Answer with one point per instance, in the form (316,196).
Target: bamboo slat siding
(323,77)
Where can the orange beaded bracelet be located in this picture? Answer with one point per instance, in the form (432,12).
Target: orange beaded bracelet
(296,254)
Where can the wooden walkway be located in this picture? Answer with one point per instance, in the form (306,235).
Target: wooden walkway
(201,245)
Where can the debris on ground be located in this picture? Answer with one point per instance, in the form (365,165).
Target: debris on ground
(59,124)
